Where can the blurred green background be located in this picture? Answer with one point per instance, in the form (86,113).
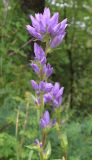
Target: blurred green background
(72,62)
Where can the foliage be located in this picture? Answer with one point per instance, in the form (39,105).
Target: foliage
(79,139)
(7,145)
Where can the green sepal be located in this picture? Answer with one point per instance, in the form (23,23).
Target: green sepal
(46,38)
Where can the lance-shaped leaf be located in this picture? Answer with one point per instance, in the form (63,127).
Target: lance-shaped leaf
(47,151)
(64,141)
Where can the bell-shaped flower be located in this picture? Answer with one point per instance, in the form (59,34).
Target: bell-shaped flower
(34,85)
(57,40)
(57,93)
(47,70)
(59,29)
(33,32)
(45,120)
(39,53)
(35,68)
(48,87)
(47,98)
(44,87)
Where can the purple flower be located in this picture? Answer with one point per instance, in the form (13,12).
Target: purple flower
(44,24)
(48,87)
(34,85)
(39,53)
(40,61)
(33,32)
(38,143)
(54,96)
(57,93)
(43,61)
(57,40)
(53,22)
(51,94)
(41,69)
(47,98)
(47,70)
(35,68)
(44,87)
(45,120)
(57,102)
(59,28)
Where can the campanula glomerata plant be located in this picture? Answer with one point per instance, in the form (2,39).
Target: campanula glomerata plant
(50,32)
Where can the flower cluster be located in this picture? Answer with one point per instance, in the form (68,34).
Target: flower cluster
(45,92)
(44,27)
(47,29)
(45,120)
(52,94)
(39,65)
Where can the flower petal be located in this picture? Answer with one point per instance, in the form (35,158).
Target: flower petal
(46,117)
(35,68)
(34,85)
(33,32)
(56,88)
(39,53)
(48,87)
(42,86)
(53,21)
(57,40)
(60,92)
(45,120)
(47,98)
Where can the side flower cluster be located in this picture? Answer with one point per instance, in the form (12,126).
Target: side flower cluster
(45,92)
(39,65)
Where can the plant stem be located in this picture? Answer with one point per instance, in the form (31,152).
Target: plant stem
(65,156)
(24,125)
(17,125)
(41,156)
(44,138)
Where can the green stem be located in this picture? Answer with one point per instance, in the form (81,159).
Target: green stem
(41,156)
(65,151)
(44,138)
(24,128)
(65,156)
(24,125)
(17,126)
(46,49)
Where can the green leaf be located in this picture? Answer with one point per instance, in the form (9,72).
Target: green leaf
(64,141)
(47,151)
(33,147)
(30,155)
